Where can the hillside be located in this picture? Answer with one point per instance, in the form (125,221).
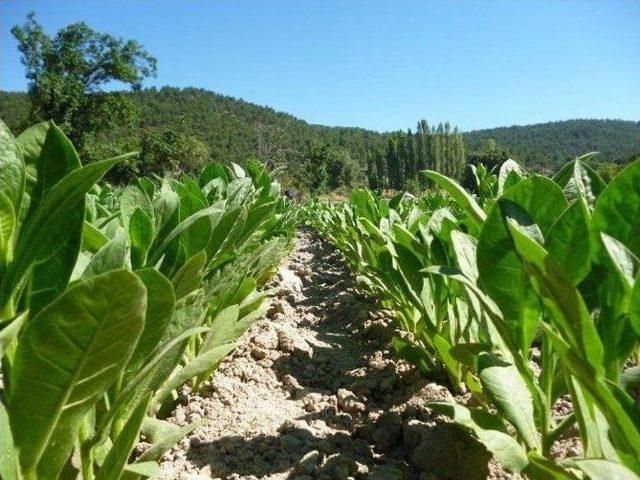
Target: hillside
(548,144)
(234,130)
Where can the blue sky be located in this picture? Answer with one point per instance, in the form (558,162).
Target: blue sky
(379,64)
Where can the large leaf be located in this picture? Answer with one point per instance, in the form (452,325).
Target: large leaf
(204,364)
(617,212)
(92,238)
(49,156)
(8,225)
(160,307)
(12,169)
(545,469)
(501,272)
(68,356)
(9,469)
(509,174)
(560,296)
(112,256)
(464,247)
(460,195)
(490,432)
(55,222)
(579,180)
(635,305)
(141,234)
(189,276)
(212,213)
(508,391)
(568,241)
(597,468)
(164,438)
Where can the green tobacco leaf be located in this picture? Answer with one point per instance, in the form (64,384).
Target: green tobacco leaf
(55,224)
(594,430)
(189,276)
(68,355)
(560,296)
(568,241)
(542,468)
(622,421)
(148,379)
(604,469)
(502,383)
(211,172)
(160,307)
(224,327)
(510,173)
(203,365)
(579,180)
(92,238)
(9,469)
(623,260)
(464,246)
(617,212)
(460,195)
(213,213)
(443,347)
(166,206)
(8,222)
(10,332)
(414,354)
(635,305)
(141,234)
(156,369)
(132,198)
(12,169)
(490,432)
(223,228)
(49,155)
(140,469)
(112,256)
(167,438)
(116,459)
(502,274)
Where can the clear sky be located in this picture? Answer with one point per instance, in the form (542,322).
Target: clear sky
(379,64)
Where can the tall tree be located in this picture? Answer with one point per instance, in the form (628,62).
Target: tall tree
(422,146)
(317,162)
(411,168)
(381,166)
(392,161)
(401,159)
(67,74)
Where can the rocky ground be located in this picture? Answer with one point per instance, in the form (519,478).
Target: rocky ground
(313,391)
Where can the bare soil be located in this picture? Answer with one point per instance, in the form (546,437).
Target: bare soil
(314,391)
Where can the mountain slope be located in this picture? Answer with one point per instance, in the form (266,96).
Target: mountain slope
(234,130)
(554,142)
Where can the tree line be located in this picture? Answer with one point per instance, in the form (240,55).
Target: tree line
(408,153)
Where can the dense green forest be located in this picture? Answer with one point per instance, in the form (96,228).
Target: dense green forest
(548,145)
(171,122)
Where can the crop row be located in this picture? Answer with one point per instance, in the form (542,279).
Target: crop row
(525,293)
(112,299)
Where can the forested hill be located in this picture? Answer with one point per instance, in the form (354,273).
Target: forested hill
(548,144)
(233,129)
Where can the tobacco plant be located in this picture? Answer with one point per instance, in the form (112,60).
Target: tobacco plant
(112,299)
(524,294)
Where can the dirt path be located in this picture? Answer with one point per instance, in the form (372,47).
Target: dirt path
(313,392)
